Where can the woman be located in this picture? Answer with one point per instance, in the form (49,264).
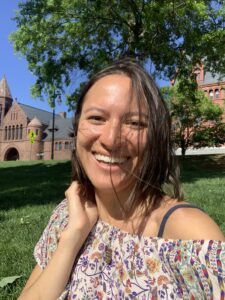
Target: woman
(117,235)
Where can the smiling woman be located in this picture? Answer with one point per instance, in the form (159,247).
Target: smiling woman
(110,139)
(118,235)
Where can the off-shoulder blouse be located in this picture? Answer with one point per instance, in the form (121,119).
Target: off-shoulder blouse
(114,264)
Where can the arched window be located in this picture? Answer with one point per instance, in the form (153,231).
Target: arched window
(60,146)
(217,94)
(13,132)
(71,145)
(211,94)
(198,75)
(6,132)
(9,133)
(21,132)
(56,146)
(17,132)
(66,146)
(36,131)
(0,114)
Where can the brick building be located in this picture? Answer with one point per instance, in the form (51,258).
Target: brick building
(19,121)
(213,86)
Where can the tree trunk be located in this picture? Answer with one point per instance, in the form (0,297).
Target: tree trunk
(183,151)
(183,147)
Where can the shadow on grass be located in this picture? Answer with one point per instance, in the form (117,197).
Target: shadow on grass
(26,183)
(35,183)
(194,167)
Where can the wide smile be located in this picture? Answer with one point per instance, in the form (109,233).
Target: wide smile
(110,160)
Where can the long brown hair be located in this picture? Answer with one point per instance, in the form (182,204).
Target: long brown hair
(158,166)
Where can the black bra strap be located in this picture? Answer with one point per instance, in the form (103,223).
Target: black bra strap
(167,215)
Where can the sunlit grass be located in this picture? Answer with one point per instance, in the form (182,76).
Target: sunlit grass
(30,190)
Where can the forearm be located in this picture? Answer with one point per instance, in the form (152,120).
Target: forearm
(52,281)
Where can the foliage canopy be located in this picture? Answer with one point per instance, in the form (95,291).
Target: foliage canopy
(197,121)
(61,39)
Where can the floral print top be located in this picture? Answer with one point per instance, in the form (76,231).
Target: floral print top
(136,267)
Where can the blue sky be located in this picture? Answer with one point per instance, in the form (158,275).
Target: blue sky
(14,67)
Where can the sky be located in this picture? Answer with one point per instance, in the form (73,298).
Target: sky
(15,67)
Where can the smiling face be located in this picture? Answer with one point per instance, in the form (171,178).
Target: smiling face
(112,134)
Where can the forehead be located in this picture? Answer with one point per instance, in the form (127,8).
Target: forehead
(113,91)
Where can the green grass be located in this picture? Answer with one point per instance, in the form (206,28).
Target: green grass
(30,190)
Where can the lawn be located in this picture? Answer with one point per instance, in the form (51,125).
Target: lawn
(30,190)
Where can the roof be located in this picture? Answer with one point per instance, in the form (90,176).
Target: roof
(209,78)
(63,129)
(43,116)
(4,89)
(35,122)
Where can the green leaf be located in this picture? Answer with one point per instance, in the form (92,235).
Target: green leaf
(8,280)
(63,39)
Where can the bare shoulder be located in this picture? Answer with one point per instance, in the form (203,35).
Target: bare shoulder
(192,223)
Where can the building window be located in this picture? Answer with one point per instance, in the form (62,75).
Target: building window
(21,132)
(9,133)
(36,131)
(0,114)
(211,94)
(6,132)
(13,132)
(28,131)
(17,132)
(67,146)
(217,94)
(56,146)
(60,146)
(71,145)
(198,75)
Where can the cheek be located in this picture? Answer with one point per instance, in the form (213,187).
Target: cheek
(86,135)
(138,141)
(143,141)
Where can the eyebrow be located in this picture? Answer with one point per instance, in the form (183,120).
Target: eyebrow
(141,114)
(94,108)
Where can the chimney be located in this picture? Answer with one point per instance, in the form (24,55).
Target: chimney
(63,114)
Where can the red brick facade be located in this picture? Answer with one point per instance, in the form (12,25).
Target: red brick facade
(17,121)
(214,87)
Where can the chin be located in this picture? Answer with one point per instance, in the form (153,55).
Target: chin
(110,185)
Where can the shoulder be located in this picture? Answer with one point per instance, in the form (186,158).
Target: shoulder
(59,217)
(48,241)
(191,223)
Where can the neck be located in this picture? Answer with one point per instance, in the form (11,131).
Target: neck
(110,209)
(110,206)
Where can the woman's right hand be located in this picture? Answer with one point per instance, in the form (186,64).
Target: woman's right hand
(83,213)
(50,282)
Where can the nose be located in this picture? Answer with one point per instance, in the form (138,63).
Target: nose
(110,137)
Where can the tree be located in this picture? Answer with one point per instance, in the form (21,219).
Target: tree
(197,121)
(63,38)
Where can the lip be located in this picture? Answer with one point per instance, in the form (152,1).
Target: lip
(108,166)
(110,159)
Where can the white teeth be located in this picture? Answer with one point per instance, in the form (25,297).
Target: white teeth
(110,159)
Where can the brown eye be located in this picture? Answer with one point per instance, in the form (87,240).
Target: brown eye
(137,124)
(96,119)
